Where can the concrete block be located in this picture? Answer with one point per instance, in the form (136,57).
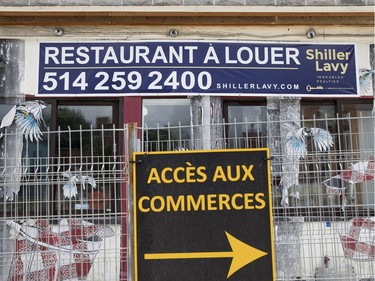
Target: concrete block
(290,2)
(230,2)
(259,2)
(44,2)
(137,2)
(105,2)
(75,2)
(13,3)
(351,2)
(321,3)
(168,2)
(198,2)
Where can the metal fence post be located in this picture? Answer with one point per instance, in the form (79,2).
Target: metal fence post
(132,146)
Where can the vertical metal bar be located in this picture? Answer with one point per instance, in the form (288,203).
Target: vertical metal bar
(80,148)
(247,140)
(145,139)
(126,221)
(235,132)
(350,134)
(37,184)
(48,173)
(132,147)
(179,135)
(169,137)
(258,133)
(158,137)
(339,145)
(70,167)
(225,134)
(58,170)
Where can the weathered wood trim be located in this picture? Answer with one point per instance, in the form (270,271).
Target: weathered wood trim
(206,11)
(338,33)
(55,20)
(186,15)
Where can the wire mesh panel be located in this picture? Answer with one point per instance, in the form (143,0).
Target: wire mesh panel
(65,216)
(64,198)
(322,176)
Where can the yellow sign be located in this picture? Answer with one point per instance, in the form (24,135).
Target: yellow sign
(189,204)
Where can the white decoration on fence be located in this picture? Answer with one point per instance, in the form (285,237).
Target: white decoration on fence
(296,139)
(366,80)
(70,187)
(296,148)
(28,117)
(23,120)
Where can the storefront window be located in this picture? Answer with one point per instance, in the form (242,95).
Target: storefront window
(247,127)
(319,115)
(359,124)
(319,164)
(334,177)
(84,147)
(166,124)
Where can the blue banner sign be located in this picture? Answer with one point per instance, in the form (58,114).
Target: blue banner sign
(196,67)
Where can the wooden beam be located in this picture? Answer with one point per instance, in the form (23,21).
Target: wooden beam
(186,15)
(182,20)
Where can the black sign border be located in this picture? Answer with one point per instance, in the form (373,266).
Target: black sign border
(269,202)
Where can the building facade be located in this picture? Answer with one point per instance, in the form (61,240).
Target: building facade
(192,75)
